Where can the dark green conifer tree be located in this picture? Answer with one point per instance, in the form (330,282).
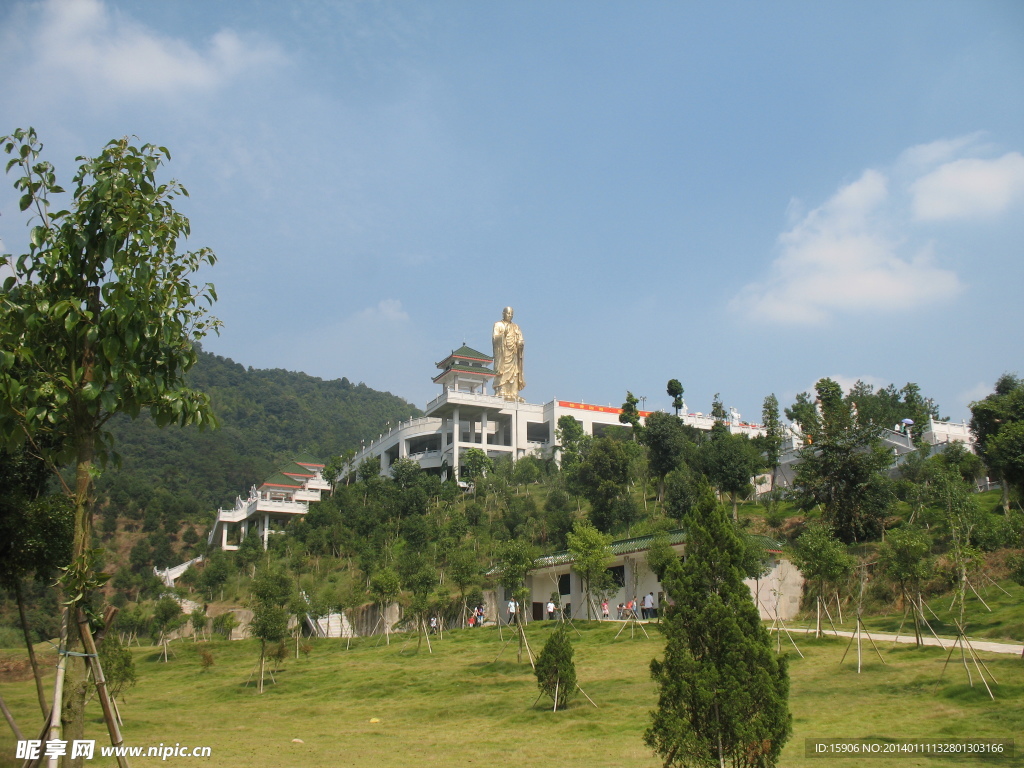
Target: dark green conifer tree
(722,691)
(556,670)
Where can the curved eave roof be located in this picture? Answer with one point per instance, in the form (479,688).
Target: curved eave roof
(279,480)
(464,369)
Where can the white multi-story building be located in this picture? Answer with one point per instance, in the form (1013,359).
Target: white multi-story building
(278,499)
(465,416)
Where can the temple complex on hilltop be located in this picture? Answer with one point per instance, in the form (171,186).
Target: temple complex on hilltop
(502,424)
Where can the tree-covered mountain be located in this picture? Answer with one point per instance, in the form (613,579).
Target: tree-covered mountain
(265,416)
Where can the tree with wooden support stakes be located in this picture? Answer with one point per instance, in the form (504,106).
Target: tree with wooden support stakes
(271,591)
(860,630)
(823,560)
(515,561)
(98,317)
(556,671)
(954,496)
(591,553)
(384,588)
(904,557)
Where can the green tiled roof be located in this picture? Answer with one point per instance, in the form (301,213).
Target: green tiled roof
(282,480)
(642,543)
(308,458)
(297,469)
(469,352)
(466,369)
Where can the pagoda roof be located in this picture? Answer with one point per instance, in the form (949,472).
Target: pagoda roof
(297,469)
(309,460)
(281,480)
(467,353)
(466,369)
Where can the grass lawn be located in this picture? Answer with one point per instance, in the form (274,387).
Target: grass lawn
(458,706)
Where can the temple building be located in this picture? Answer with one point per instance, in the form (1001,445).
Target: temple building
(270,505)
(465,416)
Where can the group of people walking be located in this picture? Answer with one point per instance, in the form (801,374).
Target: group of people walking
(646,608)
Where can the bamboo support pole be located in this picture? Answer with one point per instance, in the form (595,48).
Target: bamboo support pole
(101,686)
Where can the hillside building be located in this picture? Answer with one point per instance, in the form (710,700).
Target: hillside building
(283,496)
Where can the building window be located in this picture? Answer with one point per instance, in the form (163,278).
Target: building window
(563,584)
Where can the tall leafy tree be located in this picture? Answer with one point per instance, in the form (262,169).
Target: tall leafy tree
(722,692)
(477,463)
(841,469)
(99,317)
(675,391)
(665,438)
(602,479)
(998,425)
(630,414)
(572,442)
(771,442)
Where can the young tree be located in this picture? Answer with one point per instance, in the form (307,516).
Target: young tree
(118,665)
(823,560)
(99,317)
(771,442)
(463,570)
(591,553)
(556,670)
(167,616)
(722,692)
(904,559)
(272,591)
(675,391)
(384,588)
(516,560)
(35,536)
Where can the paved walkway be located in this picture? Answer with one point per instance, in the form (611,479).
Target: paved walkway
(943,642)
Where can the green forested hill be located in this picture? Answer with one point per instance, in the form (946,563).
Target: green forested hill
(266,417)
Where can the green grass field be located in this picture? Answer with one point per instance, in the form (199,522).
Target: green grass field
(458,706)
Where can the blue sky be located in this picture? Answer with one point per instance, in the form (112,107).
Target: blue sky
(744,196)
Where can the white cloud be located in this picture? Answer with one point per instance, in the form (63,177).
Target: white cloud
(923,156)
(841,257)
(969,187)
(978,392)
(387,310)
(80,43)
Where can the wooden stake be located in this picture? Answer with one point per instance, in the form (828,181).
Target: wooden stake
(10,720)
(58,683)
(585,694)
(101,686)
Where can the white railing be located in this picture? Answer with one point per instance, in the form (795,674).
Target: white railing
(450,395)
